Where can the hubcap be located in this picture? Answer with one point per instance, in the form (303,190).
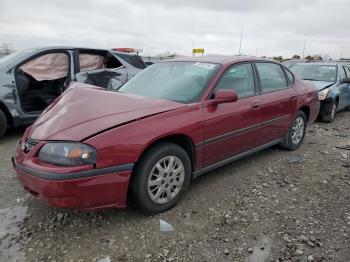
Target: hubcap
(166,179)
(297,130)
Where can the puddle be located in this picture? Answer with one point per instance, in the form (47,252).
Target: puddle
(10,221)
(261,251)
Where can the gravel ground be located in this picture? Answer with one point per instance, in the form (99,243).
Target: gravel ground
(273,206)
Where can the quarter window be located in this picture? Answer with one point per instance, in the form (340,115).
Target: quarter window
(347,70)
(342,74)
(239,78)
(290,77)
(272,77)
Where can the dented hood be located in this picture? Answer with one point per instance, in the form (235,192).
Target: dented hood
(320,84)
(84,110)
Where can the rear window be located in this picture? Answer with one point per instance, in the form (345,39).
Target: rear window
(134,60)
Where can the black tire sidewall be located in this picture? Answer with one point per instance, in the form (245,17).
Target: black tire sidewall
(142,172)
(3,123)
(327,116)
(289,142)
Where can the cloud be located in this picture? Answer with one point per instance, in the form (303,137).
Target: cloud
(270,27)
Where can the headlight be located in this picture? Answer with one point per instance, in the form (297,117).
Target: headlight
(68,154)
(322,95)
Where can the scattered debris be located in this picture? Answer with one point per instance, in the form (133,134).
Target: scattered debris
(295,159)
(105,259)
(165,226)
(345,147)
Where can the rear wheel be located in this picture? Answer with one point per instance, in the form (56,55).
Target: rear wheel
(3,123)
(161,178)
(330,108)
(296,132)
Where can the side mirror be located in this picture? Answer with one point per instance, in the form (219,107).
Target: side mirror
(225,96)
(345,80)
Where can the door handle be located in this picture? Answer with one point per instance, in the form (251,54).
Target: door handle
(293,97)
(255,104)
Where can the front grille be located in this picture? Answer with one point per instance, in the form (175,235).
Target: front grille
(30,143)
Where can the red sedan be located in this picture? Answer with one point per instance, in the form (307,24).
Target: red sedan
(171,123)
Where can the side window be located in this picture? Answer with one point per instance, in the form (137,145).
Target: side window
(94,61)
(290,77)
(239,78)
(272,77)
(342,74)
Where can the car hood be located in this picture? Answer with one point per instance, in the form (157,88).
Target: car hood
(320,84)
(84,110)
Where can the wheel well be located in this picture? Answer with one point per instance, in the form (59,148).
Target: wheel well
(337,100)
(306,111)
(181,140)
(3,108)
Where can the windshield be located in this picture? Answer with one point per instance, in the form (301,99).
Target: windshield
(314,72)
(182,82)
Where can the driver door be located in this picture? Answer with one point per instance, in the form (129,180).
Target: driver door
(232,128)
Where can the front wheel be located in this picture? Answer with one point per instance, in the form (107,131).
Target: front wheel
(162,176)
(3,123)
(330,108)
(296,132)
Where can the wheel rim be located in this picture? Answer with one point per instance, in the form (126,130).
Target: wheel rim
(166,179)
(334,106)
(297,130)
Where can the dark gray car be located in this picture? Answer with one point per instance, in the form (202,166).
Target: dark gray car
(31,79)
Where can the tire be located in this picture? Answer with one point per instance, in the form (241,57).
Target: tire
(347,108)
(3,123)
(329,112)
(296,132)
(151,181)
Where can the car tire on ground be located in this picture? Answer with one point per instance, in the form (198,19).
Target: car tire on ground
(347,108)
(161,178)
(330,109)
(3,123)
(296,132)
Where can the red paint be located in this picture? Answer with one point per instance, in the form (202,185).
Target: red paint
(81,194)
(122,126)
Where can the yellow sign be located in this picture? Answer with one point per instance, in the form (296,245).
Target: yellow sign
(198,50)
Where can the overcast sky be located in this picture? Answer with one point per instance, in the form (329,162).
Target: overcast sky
(270,27)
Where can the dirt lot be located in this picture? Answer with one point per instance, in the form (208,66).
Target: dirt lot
(272,206)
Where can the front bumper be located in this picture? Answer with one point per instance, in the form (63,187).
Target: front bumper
(84,190)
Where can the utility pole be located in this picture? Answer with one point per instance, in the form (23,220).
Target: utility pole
(240,43)
(304,48)
(341,52)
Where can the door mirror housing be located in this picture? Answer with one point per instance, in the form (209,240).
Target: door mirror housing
(225,96)
(345,80)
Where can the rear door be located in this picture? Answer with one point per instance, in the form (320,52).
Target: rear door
(279,100)
(100,68)
(233,128)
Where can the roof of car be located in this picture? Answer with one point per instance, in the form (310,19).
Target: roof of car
(325,63)
(218,59)
(47,48)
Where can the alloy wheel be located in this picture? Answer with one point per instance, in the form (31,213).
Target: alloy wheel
(298,130)
(166,179)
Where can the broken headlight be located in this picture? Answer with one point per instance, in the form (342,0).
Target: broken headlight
(68,154)
(322,95)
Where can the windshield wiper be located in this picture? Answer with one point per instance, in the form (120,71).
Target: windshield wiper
(311,79)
